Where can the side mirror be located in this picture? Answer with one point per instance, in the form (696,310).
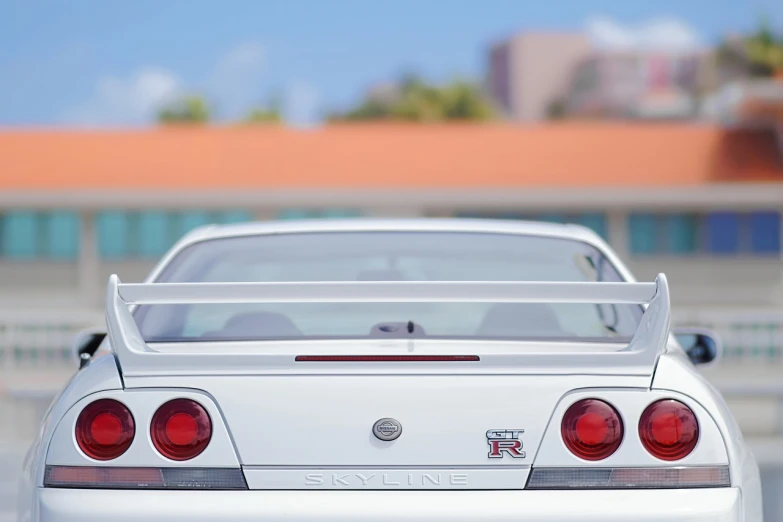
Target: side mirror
(702,346)
(86,343)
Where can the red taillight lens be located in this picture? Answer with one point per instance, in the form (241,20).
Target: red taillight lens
(105,429)
(592,429)
(669,430)
(181,429)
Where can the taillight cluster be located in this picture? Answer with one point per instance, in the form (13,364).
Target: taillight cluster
(105,429)
(180,429)
(592,429)
(669,430)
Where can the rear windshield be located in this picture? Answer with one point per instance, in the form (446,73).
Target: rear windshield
(388,256)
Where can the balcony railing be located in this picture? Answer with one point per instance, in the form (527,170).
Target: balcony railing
(747,337)
(43,340)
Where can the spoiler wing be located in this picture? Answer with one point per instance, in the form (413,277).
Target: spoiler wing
(137,358)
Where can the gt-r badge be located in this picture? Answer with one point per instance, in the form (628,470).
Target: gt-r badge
(502,442)
(387,429)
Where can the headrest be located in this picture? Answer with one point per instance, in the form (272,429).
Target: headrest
(520,320)
(260,325)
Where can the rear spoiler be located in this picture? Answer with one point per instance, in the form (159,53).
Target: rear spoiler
(136,357)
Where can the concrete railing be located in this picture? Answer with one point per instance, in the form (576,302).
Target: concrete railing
(747,336)
(42,340)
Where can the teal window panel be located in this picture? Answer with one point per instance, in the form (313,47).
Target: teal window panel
(681,233)
(469,214)
(113,229)
(21,235)
(342,213)
(294,213)
(235,216)
(154,233)
(511,215)
(61,234)
(642,231)
(552,218)
(192,219)
(594,221)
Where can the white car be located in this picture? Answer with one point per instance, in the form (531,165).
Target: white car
(421,370)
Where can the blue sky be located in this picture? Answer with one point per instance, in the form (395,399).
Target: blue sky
(110,63)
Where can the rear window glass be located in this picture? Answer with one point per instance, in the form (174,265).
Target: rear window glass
(388,256)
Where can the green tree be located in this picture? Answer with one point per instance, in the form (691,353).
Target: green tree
(415,100)
(765,49)
(758,54)
(368,110)
(263,114)
(464,101)
(420,102)
(188,109)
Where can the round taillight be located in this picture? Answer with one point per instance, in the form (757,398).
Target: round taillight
(669,430)
(181,429)
(105,429)
(592,429)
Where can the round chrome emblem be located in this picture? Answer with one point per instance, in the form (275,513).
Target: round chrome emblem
(387,429)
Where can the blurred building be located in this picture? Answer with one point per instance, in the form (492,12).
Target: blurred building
(528,71)
(699,202)
(536,76)
(638,85)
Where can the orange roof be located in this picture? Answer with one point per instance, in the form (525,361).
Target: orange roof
(389,156)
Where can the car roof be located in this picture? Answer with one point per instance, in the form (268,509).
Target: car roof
(535,228)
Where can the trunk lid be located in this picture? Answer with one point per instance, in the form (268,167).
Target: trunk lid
(326,421)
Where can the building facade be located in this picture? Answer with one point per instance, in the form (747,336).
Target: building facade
(527,72)
(638,85)
(532,76)
(702,204)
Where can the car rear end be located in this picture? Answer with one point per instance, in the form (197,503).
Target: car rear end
(388,429)
(316,458)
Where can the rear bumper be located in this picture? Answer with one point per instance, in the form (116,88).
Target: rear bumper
(695,505)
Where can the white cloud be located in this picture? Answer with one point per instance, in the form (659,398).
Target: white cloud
(235,80)
(244,57)
(234,84)
(301,105)
(662,34)
(133,100)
